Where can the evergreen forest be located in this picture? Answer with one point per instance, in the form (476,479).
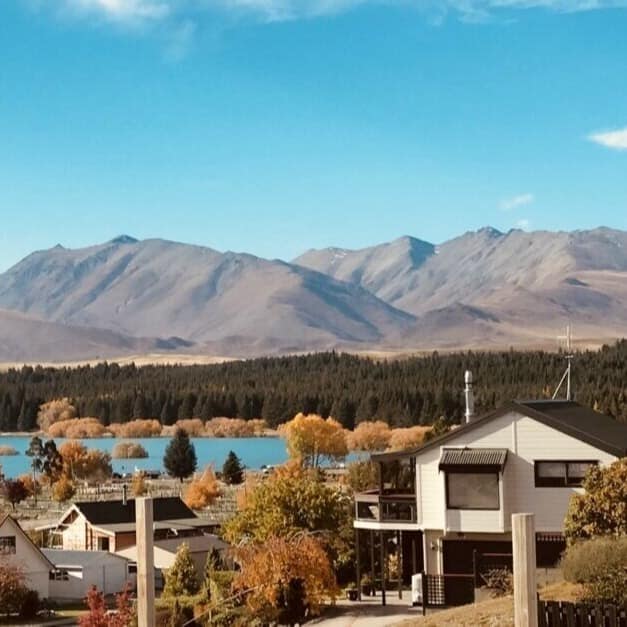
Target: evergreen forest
(403,392)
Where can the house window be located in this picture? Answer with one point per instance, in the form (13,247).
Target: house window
(132,568)
(472,490)
(560,474)
(7,545)
(59,574)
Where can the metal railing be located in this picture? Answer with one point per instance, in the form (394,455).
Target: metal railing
(385,507)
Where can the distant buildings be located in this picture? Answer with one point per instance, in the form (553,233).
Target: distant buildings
(110,525)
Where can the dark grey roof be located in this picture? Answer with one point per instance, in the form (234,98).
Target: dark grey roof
(468,457)
(113,512)
(583,423)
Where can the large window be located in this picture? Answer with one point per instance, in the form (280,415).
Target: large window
(7,545)
(559,474)
(472,490)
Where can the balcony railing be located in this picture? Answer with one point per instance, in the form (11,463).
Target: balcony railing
(374,506)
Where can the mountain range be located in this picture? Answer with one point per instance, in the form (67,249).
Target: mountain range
(483,289)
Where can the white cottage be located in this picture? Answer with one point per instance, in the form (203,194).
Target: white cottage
(448,503)
(17,549)
(75,572)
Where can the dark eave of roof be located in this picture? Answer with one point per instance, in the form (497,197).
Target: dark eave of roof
(569,417)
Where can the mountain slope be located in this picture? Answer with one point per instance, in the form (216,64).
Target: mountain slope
(158,288)
(24,338)
(527,284)
(385,270)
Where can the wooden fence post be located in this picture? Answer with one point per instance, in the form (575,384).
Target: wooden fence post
(145,562)
(524,563)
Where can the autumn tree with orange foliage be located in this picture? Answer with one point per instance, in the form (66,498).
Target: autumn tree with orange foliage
(194,427)
(84,464)
(234,428)
(77,428)
(54,411)
(311,438)
(296,499)
(136,429)
(369,436)
(203,490)
(406,438)
(285,580)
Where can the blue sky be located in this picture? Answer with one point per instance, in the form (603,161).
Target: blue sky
(272,126)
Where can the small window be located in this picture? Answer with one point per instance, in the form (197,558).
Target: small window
(59,574)
(561,474)
(7,545)
(132,568)
(472,490)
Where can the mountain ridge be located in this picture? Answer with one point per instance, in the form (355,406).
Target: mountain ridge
(482,287)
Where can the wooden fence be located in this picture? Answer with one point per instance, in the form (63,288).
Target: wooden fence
(563,614)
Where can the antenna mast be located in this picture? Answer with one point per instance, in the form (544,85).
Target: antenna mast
(569,359)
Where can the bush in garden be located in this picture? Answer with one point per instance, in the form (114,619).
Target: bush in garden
(600,564)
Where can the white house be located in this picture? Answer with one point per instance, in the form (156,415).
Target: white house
(110,525)
(17,549)
(165,552)
(450,501)
(75,572)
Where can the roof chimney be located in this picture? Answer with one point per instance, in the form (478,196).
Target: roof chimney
(470,398)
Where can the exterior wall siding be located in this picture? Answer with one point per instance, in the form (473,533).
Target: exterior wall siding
(527,440)
(29,559)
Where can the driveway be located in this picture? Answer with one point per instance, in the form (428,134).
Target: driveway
(368,613)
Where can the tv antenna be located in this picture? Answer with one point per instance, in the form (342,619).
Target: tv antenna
(567,341)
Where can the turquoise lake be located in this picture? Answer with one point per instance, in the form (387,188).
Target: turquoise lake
(254,452)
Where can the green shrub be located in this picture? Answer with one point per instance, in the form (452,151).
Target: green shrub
(600,564)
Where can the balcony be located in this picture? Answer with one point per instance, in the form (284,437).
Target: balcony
(386,506)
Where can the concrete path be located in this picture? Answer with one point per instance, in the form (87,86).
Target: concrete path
(368,613)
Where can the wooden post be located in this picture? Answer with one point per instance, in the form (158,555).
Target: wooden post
(399,562)
(524,559)
(145,562)
(383,555)
(373,572)
(358,564)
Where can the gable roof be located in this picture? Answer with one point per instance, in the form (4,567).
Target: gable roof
(568,417)
(115,512)
(79,559)
(8,518)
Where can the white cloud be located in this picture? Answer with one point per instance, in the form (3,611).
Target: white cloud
(617,140)
(509,204)
(124,10)
(276,10)
(523,224)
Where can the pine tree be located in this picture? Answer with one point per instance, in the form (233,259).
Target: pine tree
(181,579)
(180,456)
(232,470)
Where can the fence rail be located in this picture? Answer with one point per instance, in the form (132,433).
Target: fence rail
(563,614)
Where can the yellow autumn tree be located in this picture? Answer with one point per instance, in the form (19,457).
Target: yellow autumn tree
(85,464)
(407,437)
(53,411)
(203,490)
(369,436)
(311,438)
(285,579)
